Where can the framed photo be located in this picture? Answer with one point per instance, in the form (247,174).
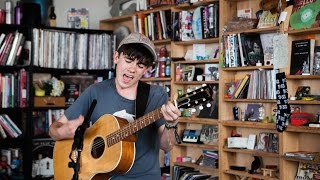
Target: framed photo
(263,141)
(252,112)
(188,73)
(273,143)
(211,72)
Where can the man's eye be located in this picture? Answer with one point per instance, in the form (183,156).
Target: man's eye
(128,60)
(141,66)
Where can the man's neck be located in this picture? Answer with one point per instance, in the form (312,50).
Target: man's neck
(128,93)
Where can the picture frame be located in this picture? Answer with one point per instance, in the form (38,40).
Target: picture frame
(263,141)
(188,73)
(211,72)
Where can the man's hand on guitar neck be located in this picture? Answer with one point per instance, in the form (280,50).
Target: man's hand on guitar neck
(64,129)
(170,112)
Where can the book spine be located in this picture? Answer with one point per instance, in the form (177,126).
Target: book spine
(2,132)
(7,127)
(12,125)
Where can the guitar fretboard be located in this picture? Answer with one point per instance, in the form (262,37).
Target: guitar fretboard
(133,127)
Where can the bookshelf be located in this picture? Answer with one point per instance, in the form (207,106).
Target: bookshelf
(26,120)
(177,50)
(292,139)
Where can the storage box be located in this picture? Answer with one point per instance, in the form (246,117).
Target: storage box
(49,101)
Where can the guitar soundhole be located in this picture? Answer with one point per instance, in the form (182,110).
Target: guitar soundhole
(97,147)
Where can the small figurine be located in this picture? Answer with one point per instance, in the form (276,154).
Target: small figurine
(4,166)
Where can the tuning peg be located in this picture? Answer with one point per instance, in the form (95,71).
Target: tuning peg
(188,90)
(203,99)
(200,107)
(193,110)
(208,105)
(196,102)
(203,85)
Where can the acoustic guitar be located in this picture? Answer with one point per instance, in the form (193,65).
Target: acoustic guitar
(109,144)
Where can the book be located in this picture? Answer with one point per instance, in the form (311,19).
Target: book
(2,38)
(301,55)
(316,61)
(253,49)
(14,49)
(273,143)
(2,132)
(23,88)
(268,47)
(71,92)
(243,84)
(268,19)
(6,126)
(197,23)
(83,80)
(186,26)
(42,156)
(307,171)
(12,125)
(175,26)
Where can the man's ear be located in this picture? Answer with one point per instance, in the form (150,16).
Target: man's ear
(116,57)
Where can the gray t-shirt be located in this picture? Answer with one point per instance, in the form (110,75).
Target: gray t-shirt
(146,164)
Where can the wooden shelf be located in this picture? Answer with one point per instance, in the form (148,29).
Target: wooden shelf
(246,174)
(314,102)
(261,31)
(117,19)
(193,165)
(303,129)
(193,5)
(196,120)
(304,31)
(197,41)
(248,124)
(201,146)
(195,82)
(252,152)
(252,100)
(315,161)
(129,17)
(153,79)
(197,61)
(160,42)
(302,77)
(247,68)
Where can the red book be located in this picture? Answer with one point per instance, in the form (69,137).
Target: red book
(23,88)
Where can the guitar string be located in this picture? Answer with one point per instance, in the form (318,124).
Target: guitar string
(110,139)
(114,140)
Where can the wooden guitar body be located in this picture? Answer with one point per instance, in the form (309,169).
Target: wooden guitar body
(100,158)
(109,144)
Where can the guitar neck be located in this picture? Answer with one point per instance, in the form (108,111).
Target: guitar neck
(133,127)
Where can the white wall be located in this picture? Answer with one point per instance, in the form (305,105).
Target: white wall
(98,10)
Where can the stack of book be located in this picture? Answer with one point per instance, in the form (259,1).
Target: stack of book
(302,155)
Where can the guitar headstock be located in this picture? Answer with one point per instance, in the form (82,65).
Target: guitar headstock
(195,98)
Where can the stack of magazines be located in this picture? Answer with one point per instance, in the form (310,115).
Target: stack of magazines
(302,155)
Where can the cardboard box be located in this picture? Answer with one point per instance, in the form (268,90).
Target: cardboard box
(49,101)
